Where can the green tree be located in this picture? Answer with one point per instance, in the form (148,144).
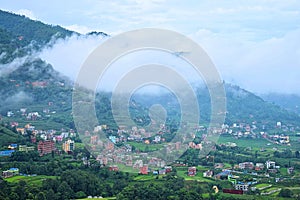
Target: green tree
(50,194)
(285,193)
(65,190)
(21,190)
(297,154)
(80,195)
(14,196)
(40,196)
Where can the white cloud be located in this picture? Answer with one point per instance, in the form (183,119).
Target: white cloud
(79,29)
(67,56)
(27,13)
(254,43)
(271,65)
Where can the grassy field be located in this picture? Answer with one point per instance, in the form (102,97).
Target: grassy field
(79,145)
(128,169)
(283,171)
(243,142)
(262,185)
(30,180)
(270,189)
(109,198)
(295,190)
(257,144)
(199,168)
(250,197)
(146,177)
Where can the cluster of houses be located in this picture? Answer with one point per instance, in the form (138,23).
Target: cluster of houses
(144,169)
(43,134)
(43,147)
(239,130)
(241,168)
(37,84)
(136,134)
(28,116)
(48,141)
(124,154)
(15,147)
(46,135)
(279,139)
(246,166)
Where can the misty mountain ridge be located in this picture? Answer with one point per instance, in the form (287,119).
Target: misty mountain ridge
(290,102)
(21,36)
(33,81)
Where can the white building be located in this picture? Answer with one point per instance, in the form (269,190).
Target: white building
(243,187)
(157,138)
(10,114)
(278,124)
(270,164)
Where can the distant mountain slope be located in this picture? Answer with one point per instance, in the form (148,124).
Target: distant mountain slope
(33,81)
(290,102)
(242,107)
(17,32)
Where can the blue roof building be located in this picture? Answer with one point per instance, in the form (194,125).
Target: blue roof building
(13,146)
(6,153)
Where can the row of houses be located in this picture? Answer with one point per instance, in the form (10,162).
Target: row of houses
(43,147)
(146,170)
(14,147)
(258,166)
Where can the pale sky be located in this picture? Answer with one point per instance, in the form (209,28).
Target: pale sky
(253,43)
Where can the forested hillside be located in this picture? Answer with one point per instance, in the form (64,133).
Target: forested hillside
(290,102)
(17,32)
(8,136)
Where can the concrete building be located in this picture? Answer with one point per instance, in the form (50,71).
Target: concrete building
(11,172)
(208,173)
(25,148)
(243,187)
(144,170)
(246,165)
(68,146)
(259,166)
(270,164)
(192,171)
(45,147)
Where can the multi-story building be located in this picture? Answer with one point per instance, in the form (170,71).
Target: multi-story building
(246,165)
(259,166)
(144,170)
(68,145)
(243,187)
(270,164)
(192,171)
(45,147)
(25,148)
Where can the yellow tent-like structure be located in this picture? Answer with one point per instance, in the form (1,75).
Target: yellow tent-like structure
(216,189)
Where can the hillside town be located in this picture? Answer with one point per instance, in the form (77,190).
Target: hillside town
(137,143)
